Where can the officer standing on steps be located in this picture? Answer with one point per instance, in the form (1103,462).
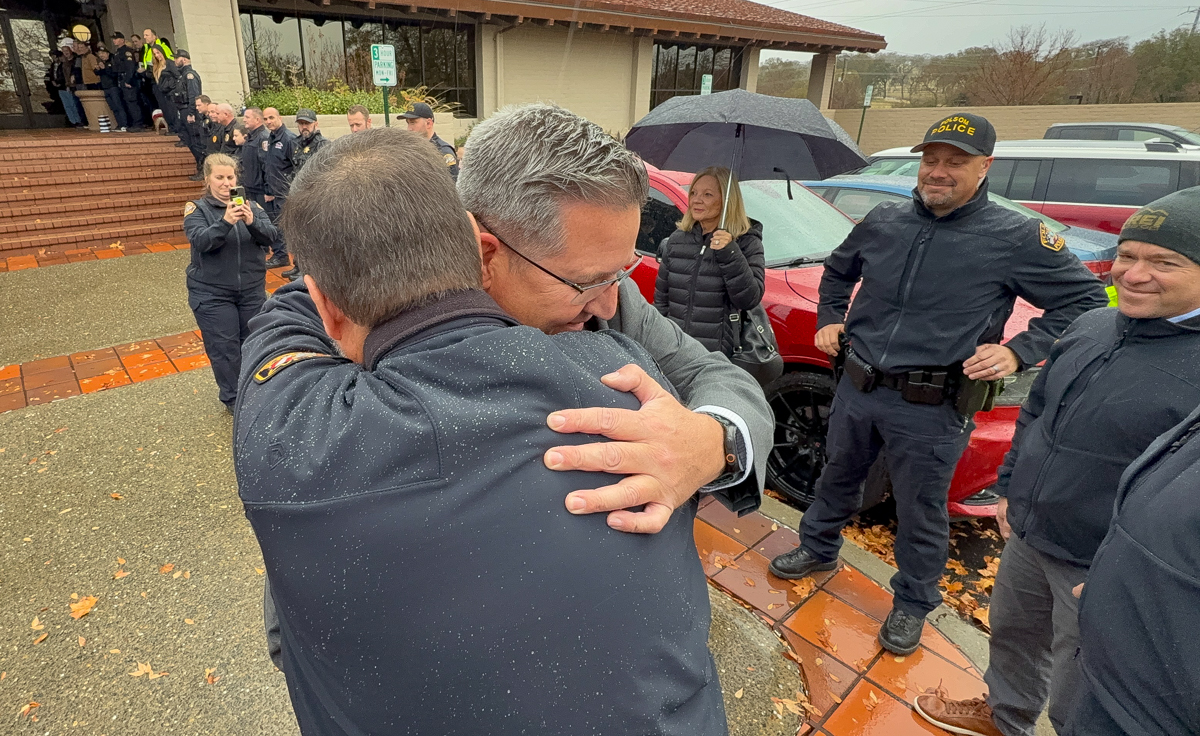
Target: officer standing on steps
(939,279)
(277,172)
(187,89)
(308,143)
(420,121)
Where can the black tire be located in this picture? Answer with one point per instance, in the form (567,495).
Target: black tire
(800,402)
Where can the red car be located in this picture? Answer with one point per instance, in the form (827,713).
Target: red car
(798,233)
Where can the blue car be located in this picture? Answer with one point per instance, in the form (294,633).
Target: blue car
(858,194)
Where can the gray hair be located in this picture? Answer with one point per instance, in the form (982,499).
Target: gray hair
(524,162)
(255,112)
(376,222)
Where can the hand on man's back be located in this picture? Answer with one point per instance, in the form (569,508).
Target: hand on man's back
(665,451)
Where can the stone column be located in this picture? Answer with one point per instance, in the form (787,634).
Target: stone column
(820,79)
(749,75)
(643,72)
(208,29)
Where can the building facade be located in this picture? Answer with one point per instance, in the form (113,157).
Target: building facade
(608,61)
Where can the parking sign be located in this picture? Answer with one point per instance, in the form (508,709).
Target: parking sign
(383,64)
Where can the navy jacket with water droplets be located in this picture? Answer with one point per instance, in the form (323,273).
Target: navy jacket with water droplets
(428,577)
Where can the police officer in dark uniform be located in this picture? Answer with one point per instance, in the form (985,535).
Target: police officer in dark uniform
(420,121)
(939,279)
(126,60)
(310,139)
(187,89)
(221,140)
(253,151)
(277,173)
(226,279)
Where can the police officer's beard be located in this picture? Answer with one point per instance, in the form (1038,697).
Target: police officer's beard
(937,200)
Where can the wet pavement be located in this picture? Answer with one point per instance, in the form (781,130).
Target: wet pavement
(120,506)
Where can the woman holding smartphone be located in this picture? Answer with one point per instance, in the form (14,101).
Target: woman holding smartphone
(226,280)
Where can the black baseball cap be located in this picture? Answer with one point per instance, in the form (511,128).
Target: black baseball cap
(970,133)
(419,110)
(118,34)
(304,115)
(183,53)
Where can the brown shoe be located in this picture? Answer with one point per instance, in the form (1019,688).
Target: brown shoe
(969,717)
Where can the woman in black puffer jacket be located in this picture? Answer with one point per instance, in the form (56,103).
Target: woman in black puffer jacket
(707,273)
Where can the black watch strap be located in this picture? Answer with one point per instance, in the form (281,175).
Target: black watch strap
(734,451)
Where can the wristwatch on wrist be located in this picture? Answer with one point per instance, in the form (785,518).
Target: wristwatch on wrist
(734,467)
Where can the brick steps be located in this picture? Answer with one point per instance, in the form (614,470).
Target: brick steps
(73,190)
(40,209)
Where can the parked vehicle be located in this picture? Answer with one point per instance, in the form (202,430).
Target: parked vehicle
(1139,132)
(1079,183)
(798,232)
(858,194)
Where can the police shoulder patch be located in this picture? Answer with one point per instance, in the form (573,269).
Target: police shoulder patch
(266,144)
(1053,241)
(279,362)
(189,208)
(450,160)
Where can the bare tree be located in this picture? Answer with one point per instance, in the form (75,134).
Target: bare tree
(1027,69)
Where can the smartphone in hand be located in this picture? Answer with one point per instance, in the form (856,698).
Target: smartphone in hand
(237,196)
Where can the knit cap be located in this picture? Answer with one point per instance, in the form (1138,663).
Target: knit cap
(1172,222)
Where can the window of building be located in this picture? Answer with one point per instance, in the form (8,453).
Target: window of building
(679,69)
(325,51)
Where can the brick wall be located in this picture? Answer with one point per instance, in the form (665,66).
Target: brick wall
(889,128)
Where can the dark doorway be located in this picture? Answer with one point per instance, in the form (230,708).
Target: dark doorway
(24,58)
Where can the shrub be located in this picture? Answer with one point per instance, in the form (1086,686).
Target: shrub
(340,98)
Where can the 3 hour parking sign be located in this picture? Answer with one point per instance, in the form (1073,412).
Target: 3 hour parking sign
(383,64)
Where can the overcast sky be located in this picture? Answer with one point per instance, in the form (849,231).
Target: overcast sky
(945,26)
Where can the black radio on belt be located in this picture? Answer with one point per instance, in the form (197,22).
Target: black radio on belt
(861,373)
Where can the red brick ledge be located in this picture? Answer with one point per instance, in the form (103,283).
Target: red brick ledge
(58,258)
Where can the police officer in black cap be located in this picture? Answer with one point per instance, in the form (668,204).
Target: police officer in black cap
(187,89)
(939,279)
(420,120)
(310,139)
(125,59)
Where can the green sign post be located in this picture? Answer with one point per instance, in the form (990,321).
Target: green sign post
(706,84)
(383,70)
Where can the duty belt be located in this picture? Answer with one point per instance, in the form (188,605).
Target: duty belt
(933,385)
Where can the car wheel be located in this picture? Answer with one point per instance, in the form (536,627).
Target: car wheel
(800,402)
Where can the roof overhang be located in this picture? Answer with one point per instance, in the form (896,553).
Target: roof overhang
(678,26)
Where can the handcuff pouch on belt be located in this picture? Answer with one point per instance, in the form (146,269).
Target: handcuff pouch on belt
(975,396)
(862,374)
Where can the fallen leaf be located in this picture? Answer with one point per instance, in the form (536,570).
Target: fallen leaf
(83,607)
(28,707)
(120,560)
(774,527)
(740,693)
(177,575)
(156,675)
(773,606)
(208,675)
(60,513)
(259,570)
(37,625)
(899,659)
(82,641)
(188,621)
(166,568)
(187,575)
(956,566)
(120,574)
(836,699)
(40,639)
(116,496)
(750,583)
(74,596)
(773,591)
(981,615)
(818,661)
(143,668)
(835,678)
(114,651)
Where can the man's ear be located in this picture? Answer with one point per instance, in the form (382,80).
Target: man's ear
(336,323)
(489,249)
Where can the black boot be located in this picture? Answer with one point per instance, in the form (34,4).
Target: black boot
(292,274)
(799,563)
(278,259)
(901,633)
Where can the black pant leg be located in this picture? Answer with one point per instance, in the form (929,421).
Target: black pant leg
(112,96)
(274,210)
(250,303)
(219,319)
(852,445)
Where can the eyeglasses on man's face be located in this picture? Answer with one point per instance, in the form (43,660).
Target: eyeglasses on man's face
(589,291)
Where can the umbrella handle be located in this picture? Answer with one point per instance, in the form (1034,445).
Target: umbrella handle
(740,134)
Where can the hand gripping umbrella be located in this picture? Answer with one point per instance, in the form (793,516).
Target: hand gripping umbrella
(762,137)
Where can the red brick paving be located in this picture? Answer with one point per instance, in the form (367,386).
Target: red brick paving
(117,250)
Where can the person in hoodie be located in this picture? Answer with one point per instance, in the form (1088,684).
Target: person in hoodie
(1116,380)
(711,267)
(226,280)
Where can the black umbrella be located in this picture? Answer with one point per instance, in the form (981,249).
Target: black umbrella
(757,136)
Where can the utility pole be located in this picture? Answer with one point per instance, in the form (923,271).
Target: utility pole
(1196,20)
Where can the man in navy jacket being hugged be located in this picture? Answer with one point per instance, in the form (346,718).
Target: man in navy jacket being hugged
(1116,380)
(389,443)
